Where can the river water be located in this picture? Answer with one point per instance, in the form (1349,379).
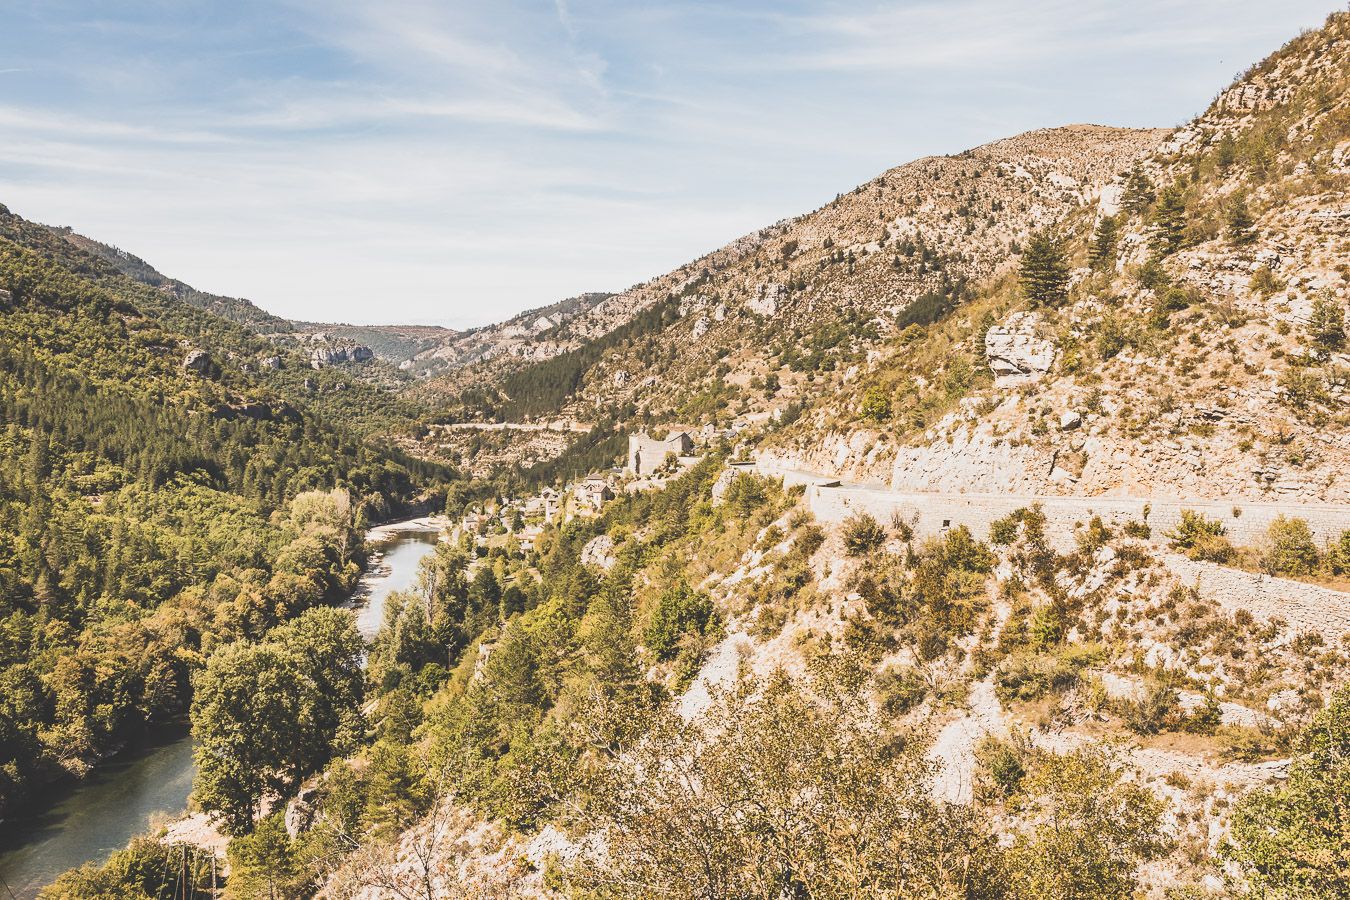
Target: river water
(128,795)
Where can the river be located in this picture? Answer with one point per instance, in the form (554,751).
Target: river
(148,784)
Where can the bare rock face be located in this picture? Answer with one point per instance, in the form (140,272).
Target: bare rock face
(270,362)
(197,362)
(302,811)
(722,486)
(599,552)
(332,356)
(1016,352)
(766,299)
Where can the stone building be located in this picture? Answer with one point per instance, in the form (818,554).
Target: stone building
(646,454)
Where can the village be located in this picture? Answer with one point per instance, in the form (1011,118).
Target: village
(517,523)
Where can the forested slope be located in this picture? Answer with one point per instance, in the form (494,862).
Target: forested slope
(156,497)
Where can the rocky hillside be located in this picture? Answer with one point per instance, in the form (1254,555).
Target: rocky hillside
(810,296)
(1196,351)
(533,335)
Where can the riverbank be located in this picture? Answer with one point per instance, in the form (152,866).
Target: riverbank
(392,566)
(135,792)
(384,532)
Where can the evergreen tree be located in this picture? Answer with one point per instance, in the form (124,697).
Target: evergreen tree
(1169,220)
(1326,325)
(1226,153)
(1045,271)
(1241,224)
(1138,194)
(1102,255)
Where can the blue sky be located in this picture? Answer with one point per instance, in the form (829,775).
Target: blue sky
(455,163)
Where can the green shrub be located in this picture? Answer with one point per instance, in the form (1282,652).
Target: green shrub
(1200,538)
(1138,530)
(1154,711)
(1029,676)
(1002,764)
(1337,559)
(900,690)
(1206,718)
(876,404)
(1290,549)
(680,611)
(862,534)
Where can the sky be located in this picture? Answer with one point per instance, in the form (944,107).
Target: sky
(453,163)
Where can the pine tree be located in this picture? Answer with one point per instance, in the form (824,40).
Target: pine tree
(1102,255)
(1326,325)
(1241,224)
(1138,194)
(1045,271)
(1226,153)
(1169,220)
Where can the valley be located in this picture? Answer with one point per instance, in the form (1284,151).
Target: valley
(982,533)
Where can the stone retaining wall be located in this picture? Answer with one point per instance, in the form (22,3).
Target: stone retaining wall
(1306,607)
(930,514)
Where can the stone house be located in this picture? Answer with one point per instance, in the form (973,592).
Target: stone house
(592,493)
(646,454)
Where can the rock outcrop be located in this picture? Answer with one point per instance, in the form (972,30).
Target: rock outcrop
(1016,351)
(197,361)
(599,552)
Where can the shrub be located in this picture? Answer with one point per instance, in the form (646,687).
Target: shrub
(680,611)
(1206,718)
(1030,676)
(876,404)
(1138,530)
(1003,765)
(1303,390)
(1264,282)
(1152,712)
(1290,840)
(1326,325)
(1003,532)
(1290,549)
(1337,558)
(900,690)
(862,534)
(1200,538)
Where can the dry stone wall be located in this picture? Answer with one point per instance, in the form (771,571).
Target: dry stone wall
(930,514)
(1306,607)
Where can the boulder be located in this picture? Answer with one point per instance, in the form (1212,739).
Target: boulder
(1016,352)
(197,361)
(767,298)
(1070,420)
(599,552)
(270,362)
(302,811)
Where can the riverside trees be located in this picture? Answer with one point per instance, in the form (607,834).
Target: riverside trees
(266,715)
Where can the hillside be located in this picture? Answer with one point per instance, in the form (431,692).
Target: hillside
(1012,561)
(235,309)
(533,335)
(1088,554)
(1186,361)
(782,315)
(160,492)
